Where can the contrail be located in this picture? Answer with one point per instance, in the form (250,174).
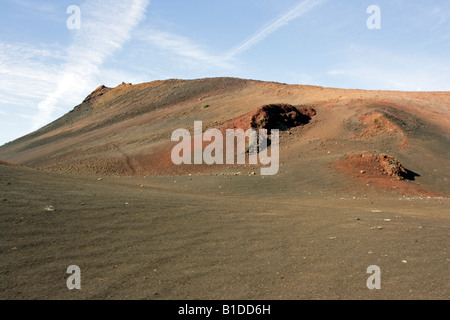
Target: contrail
(105,27)
(299,10)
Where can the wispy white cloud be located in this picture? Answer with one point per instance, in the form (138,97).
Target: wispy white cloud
(44,9)
(292,14)
(36,6)
(186,48)
(105,27)
(441,13)
(183,47)
(27,73)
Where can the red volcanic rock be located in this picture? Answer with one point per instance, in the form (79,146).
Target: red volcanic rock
(307,111)
(281,116)
(373,165)
(391,166)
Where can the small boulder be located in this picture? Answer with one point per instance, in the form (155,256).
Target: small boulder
(49,208)
(281,116)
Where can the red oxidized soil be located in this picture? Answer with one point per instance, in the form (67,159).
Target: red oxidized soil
(386,171)
(377,124)
(267,117)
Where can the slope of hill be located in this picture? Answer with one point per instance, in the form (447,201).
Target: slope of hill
(126,130)
(363,181)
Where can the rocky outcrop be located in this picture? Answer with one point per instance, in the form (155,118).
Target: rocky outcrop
(281,116)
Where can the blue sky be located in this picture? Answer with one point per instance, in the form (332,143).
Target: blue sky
(47,69)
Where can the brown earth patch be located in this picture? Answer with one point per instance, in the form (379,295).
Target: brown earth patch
(4,163)
(377,124)
(97,93)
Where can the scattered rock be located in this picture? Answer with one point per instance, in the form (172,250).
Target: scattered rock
(392,166)
(404,261)
(100,179)
(376,165)
(49,208)
(332,238)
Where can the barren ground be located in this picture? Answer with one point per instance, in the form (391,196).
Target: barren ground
(148,229)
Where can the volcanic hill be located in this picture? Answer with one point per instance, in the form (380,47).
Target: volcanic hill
(363,180)
(126,130)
